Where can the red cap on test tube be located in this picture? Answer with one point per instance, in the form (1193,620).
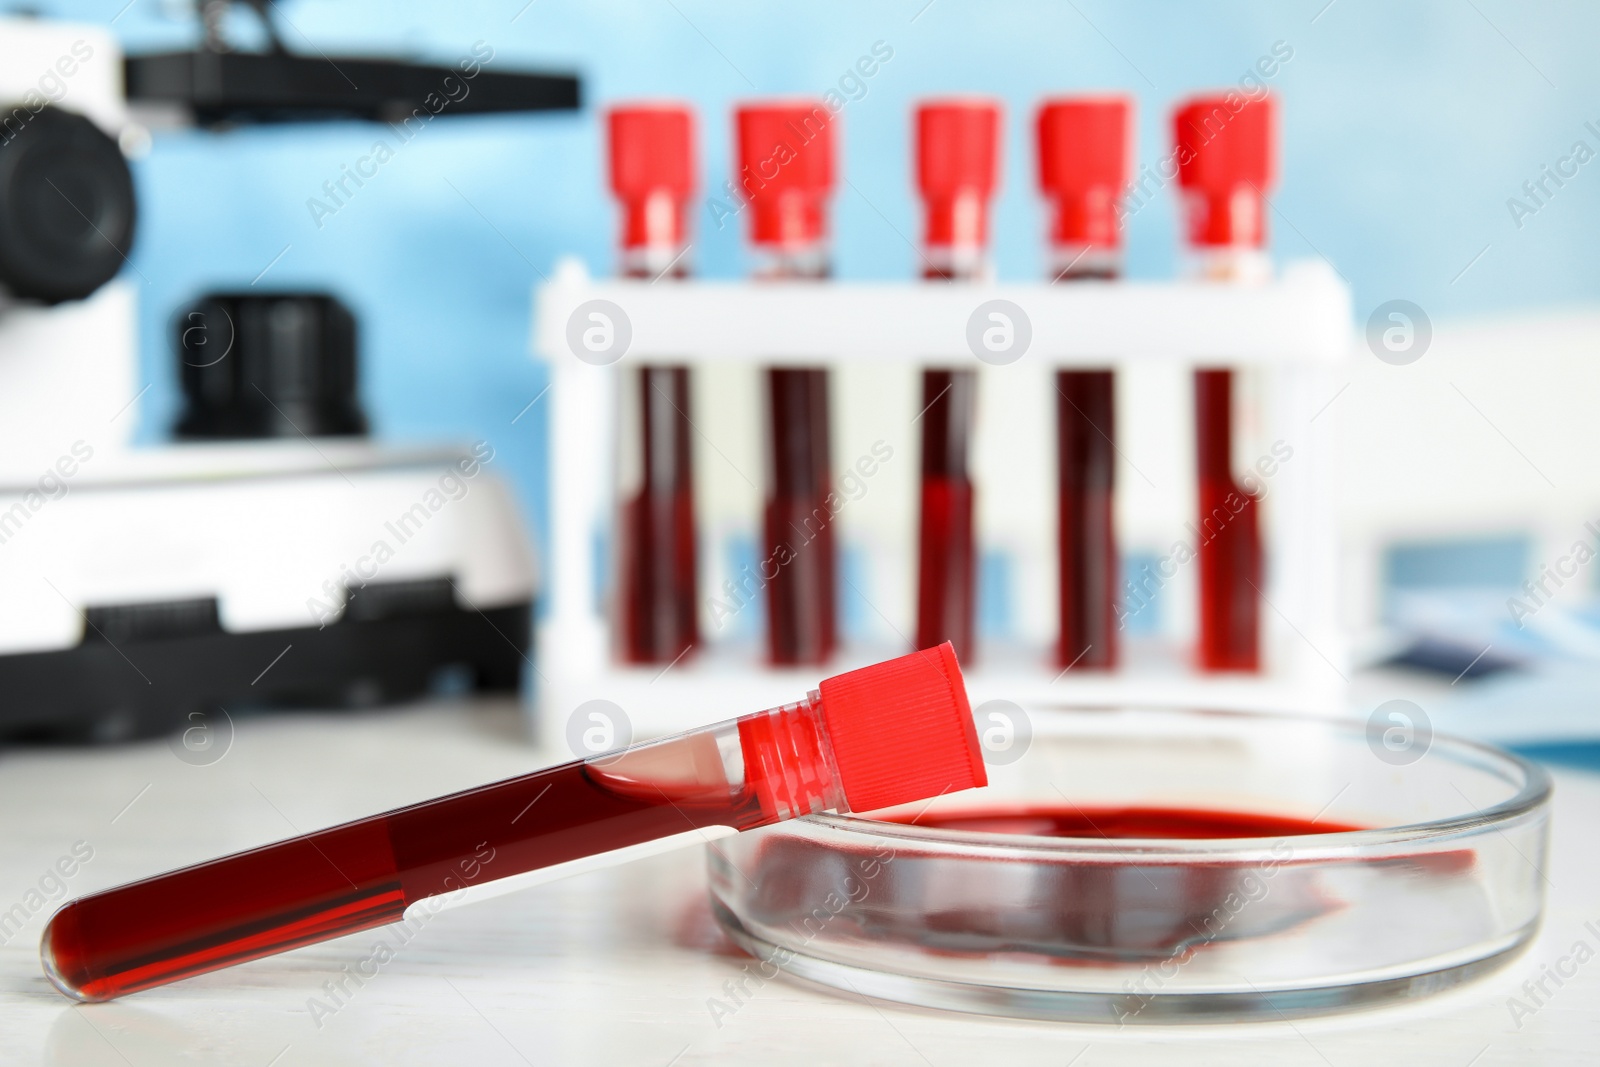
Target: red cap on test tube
(652,171)
(957,149)
(1084,149)
(786,170)
(1226,163)
(900,730)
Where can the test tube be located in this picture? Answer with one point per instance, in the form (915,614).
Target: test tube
(652,175)
(877,737)
(1225,148)
(1084,148)
(957,150)
(786,174)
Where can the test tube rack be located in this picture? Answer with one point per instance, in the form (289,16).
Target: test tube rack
(1294,329)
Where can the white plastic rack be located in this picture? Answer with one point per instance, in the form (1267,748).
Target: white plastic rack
(1294,329)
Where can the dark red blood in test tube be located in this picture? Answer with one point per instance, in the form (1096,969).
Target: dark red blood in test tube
(1084,146)
(652,174)
(357,876)
(787,172)
(879,736)
(798,525)
(1086,467)
(947,554)
(1225,165)
(1229,550)
(957,152)
(657,537)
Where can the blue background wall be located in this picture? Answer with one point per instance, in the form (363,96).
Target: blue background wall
(1407,127)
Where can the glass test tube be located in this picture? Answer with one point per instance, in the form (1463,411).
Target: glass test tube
(875,737)
(1225,165)
(652,175)
(1084,147)
(957,157)
(786,174)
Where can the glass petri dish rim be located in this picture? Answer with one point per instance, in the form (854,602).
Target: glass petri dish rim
(1532,796)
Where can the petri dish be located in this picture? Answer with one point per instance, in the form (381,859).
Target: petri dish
(1159,865)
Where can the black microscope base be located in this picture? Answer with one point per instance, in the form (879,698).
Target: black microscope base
(114,686)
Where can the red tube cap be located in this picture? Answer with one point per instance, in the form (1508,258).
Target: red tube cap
(1084,152)
(1226,146)
(786,170)
(957,152)
(902,730)
(652,171)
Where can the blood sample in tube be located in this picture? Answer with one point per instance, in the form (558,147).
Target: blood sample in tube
(1084,148)
(876,737)
(957,151)
(652,175)
(786,156)
(1225,167)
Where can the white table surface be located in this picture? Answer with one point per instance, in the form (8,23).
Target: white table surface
(614,966)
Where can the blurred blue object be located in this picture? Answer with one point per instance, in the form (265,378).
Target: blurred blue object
(1141,614)
(1490,563)
(1446,601)
(437,253)
(996,601)
(1583,756)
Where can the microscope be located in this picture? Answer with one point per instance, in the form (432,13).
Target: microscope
(269,554)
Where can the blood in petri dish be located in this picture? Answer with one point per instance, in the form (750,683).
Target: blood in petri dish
(1229,552)
(1128,822)
(947,568)
(1163,823)
(1088,911)
(798,522)
(366,873)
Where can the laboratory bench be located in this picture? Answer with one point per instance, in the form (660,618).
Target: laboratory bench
(615,966)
